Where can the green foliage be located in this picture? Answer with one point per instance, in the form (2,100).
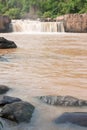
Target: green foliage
(47,14)
(44,8)
(14,13)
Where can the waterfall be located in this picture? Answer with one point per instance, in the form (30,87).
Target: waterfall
(36,26)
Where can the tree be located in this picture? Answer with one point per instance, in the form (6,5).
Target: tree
(44,8)
(14,13)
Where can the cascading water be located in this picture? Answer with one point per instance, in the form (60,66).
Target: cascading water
(36,26)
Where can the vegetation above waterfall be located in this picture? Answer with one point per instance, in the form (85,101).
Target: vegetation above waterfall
(41,8)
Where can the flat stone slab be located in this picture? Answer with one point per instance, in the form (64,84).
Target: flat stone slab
(5,44)
(63,101)
(78,118)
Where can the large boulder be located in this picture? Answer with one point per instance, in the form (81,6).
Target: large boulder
(74,22)
(63,101)
(5,44)
(4,23)
(78,118)
(18,111)
(3,89)
(7,100)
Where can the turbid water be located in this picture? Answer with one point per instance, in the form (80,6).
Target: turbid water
(45,64)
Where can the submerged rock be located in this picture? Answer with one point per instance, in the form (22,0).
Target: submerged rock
(3,59)
(63,101)
(18,111)
(78,118)
(7,100)
(3,89)
(4,43)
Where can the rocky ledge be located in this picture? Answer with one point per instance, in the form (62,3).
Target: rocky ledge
(63,101)
(5,44)
(74,22)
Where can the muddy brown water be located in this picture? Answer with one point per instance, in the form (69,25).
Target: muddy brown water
(45,64)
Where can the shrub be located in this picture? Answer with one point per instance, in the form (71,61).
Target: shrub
(14,13)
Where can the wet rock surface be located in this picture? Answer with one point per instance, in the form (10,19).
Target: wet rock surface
(3,59)
(18,111)
(4,23)
(63,101)
(78,118)
(3,89)
(5,44)
(74,22)
(7,100)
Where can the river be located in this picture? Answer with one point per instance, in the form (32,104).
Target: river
(45,64)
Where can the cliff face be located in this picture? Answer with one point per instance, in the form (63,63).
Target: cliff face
(4,23)
(74,22)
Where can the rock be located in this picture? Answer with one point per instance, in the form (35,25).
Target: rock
(4,43)
(60,18)
(3,89)
(47,20)
(74,22)
(18,111)
(3,59)
(7,100)
(4,23)
(78,118)
(63,101)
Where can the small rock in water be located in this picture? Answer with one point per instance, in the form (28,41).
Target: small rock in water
(7,100)
(3,89)
(18,111)
(3,59)
(63,101)
(78,118)
(5,44)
